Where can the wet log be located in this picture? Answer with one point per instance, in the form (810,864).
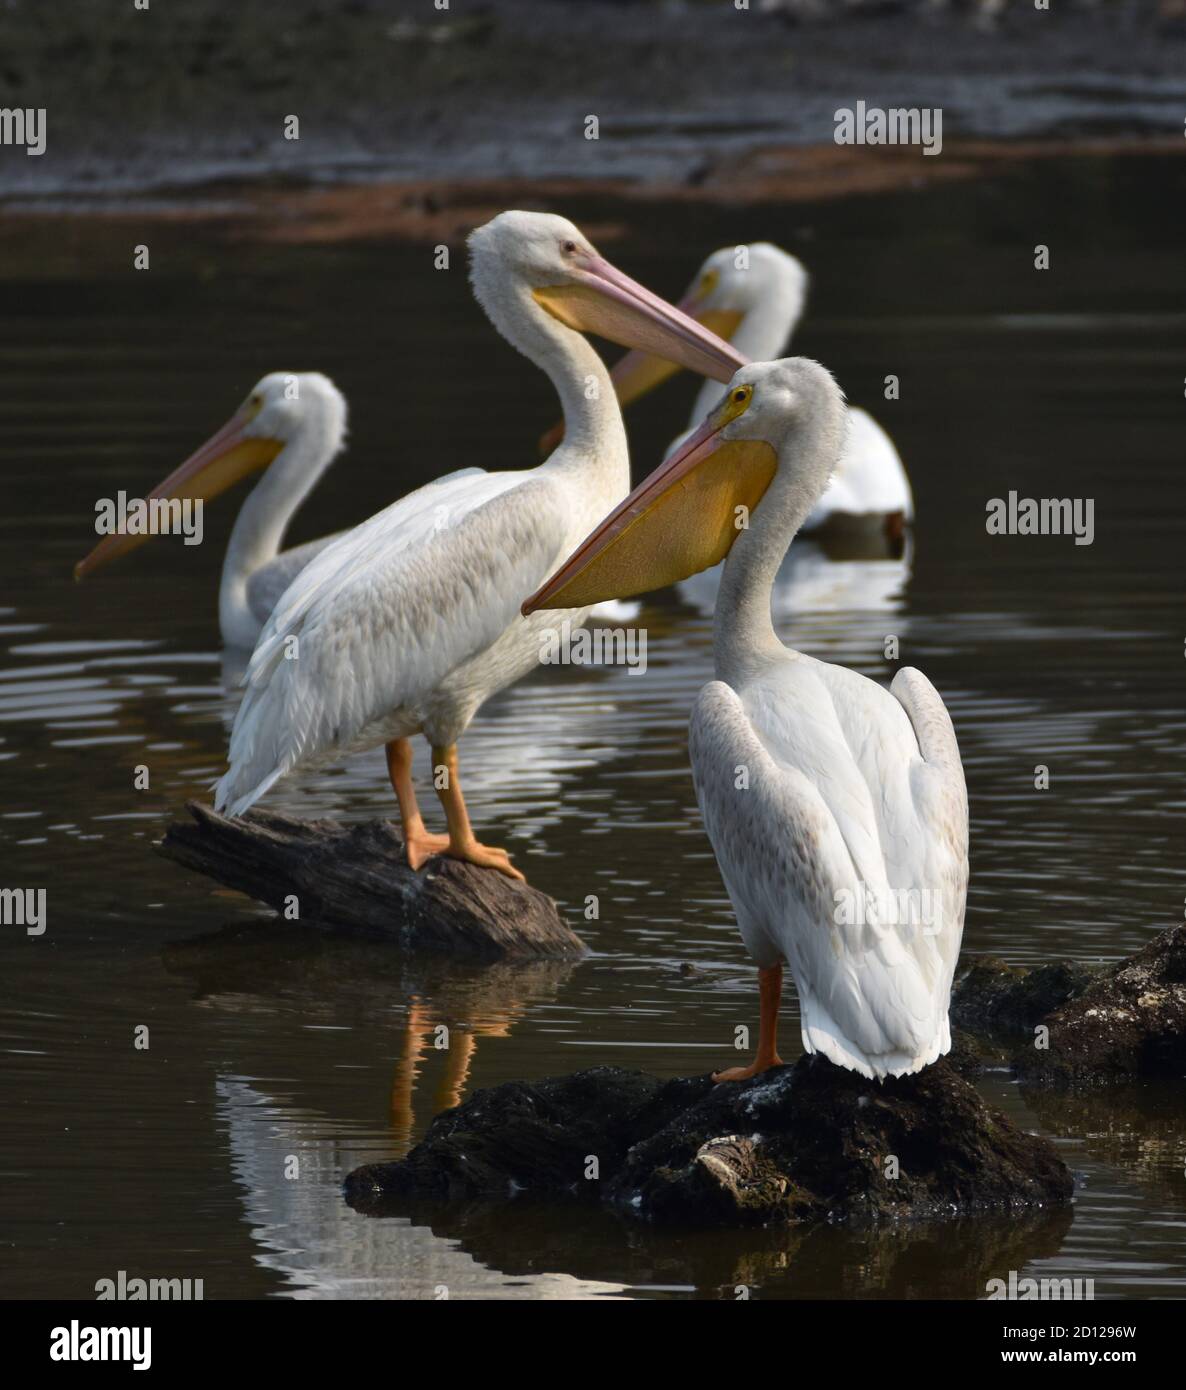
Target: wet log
(799,1144)
(355,879)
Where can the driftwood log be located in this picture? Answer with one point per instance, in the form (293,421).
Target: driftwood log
(354,878)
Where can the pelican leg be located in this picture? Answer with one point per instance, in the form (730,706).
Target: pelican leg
(769,993)
(419,844)
(463,843)
(462,1044)
(403,1081)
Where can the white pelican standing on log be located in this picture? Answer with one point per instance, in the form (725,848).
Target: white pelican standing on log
(291,427)
(830,802)
(753,296)
(410,621)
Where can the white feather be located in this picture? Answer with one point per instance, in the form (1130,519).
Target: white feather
(372,638)
(850,788)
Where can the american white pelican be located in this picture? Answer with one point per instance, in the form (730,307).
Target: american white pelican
(754,296)
(835,807)
(292,426)
(410,621)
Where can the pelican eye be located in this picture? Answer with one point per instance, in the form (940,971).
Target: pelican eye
(569,248)
(709,281)
(736,403)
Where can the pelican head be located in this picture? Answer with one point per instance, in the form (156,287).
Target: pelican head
(555,264)
(281,409)
(750,296)
(737,280)
(785,418)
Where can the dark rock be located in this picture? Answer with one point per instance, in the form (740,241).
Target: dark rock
(355,879)
(799,1144)
(536,1137)
(831,1136)
(1129,1021)
(1097,1025)
(990,996)
(970,1055)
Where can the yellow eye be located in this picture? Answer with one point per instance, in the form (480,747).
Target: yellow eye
(708,282)
(735,404)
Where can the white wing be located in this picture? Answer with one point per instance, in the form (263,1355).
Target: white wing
(852,795)
(869,476)
(379,619)
(266,584)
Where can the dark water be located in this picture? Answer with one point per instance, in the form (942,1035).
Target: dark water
(267,1043)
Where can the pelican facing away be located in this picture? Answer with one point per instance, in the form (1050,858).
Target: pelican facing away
(291,426)
(835,807)
(407,623)
(755,301)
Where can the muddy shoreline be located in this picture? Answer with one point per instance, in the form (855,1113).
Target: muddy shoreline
(166,102)
(49,238)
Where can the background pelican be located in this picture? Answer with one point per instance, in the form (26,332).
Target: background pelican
(831,803)
(292,426)
(410,621)
(754,296)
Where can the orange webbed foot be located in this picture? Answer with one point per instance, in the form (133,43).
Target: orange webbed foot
(420,848)
(755,1068)
(486,857)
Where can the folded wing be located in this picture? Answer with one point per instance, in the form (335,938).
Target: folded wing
(378,619)
(834,814)
(266,584)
